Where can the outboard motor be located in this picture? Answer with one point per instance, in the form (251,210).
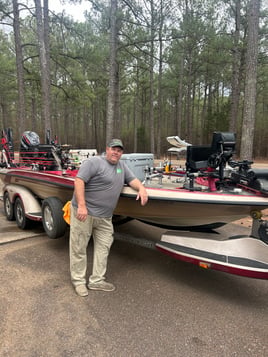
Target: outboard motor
(29,146)
(41,156)
(29,140)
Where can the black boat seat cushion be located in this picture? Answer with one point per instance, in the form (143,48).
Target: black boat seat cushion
(197,157)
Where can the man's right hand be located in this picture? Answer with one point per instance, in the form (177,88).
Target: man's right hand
(81,213)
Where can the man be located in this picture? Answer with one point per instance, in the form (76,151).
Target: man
(97,188)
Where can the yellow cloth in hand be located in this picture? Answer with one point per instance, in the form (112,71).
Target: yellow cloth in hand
(67,212)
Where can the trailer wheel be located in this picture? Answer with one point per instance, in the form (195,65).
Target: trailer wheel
(8,208)
(52,217)
(22,221)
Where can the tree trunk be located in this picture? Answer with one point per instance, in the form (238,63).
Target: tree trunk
(20,72)
(42,32)
(247,138)
(135,109)
(235,94)
(110,120)
(151,69)
(180,98)
(160,75)
(188,114)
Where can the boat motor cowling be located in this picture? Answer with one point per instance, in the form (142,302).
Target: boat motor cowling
(29,140)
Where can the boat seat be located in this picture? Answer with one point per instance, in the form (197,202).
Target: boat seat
(210,160)
(216,155)
(197,157)
(223,142)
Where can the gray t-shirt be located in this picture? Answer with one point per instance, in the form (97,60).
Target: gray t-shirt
(103,184)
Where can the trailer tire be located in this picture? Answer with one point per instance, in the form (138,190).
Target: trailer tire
(52,217)
(22,221)
(8,207)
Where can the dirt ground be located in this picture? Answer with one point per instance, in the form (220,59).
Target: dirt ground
(161,306)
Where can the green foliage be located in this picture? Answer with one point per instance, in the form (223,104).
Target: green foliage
(143,139)
(197,57)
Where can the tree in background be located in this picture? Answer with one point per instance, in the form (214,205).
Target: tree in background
(236,66)
(179,70)
(44,59)
(112,106)
(20,71)
(247,137)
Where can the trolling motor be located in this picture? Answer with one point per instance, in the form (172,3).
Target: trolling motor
(256,179)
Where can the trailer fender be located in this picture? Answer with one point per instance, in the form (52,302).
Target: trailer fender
(32,206)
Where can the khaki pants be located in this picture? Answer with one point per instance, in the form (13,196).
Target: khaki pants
(80,232)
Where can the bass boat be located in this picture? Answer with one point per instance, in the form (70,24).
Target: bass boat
(210,192)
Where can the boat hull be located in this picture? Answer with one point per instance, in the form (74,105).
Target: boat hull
(174,208)
(42,184)
(181,208)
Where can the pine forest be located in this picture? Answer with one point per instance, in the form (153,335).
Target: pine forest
(140,70)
